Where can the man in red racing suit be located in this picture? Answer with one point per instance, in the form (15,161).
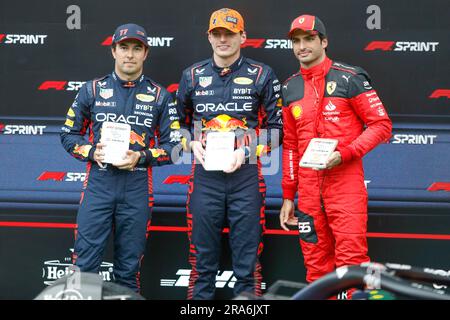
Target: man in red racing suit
(327,99)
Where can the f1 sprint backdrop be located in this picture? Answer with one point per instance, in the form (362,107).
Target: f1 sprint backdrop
(49,48)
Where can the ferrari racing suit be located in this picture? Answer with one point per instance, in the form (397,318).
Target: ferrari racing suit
(331,100)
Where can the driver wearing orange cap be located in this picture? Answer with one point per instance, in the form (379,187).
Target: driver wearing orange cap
(228,92)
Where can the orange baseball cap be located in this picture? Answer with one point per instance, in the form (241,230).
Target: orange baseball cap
(226,18)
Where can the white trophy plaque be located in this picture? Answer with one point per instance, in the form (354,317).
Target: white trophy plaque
(116,137)
(219,150)
(318,152)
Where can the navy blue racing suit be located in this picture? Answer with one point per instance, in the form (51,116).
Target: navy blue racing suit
(115,199)
(239,98)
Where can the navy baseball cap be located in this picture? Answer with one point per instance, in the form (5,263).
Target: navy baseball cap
(130,31)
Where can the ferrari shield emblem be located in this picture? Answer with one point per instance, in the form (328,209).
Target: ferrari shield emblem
(331,86)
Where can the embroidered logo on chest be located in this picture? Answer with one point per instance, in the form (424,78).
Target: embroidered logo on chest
(297,111)
(331,86)
(204,81)
(106,93)
(145,97)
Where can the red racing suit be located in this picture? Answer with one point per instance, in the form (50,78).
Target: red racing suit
(331,100)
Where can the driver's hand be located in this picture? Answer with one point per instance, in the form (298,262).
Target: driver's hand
(129,161)
(287,214)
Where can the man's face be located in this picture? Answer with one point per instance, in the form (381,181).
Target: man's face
(308,48)
(130,56)
(226,44)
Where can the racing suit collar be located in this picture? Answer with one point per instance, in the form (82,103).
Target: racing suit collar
(319,70)
(227,70)
(316,77)
(126,83)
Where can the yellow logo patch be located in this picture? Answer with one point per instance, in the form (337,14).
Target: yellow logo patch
(70,113)
(243,80)
(145,97)
(297,111)
(331,86)
(175,125)
(69,123)
(158,152)
(279,102)
(82,150)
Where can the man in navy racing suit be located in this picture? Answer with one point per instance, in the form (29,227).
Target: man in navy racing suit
(119,196)
(228,92)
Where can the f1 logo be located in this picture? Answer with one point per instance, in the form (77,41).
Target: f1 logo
(253,43)
(440,93)
(380,45)
(57,85)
